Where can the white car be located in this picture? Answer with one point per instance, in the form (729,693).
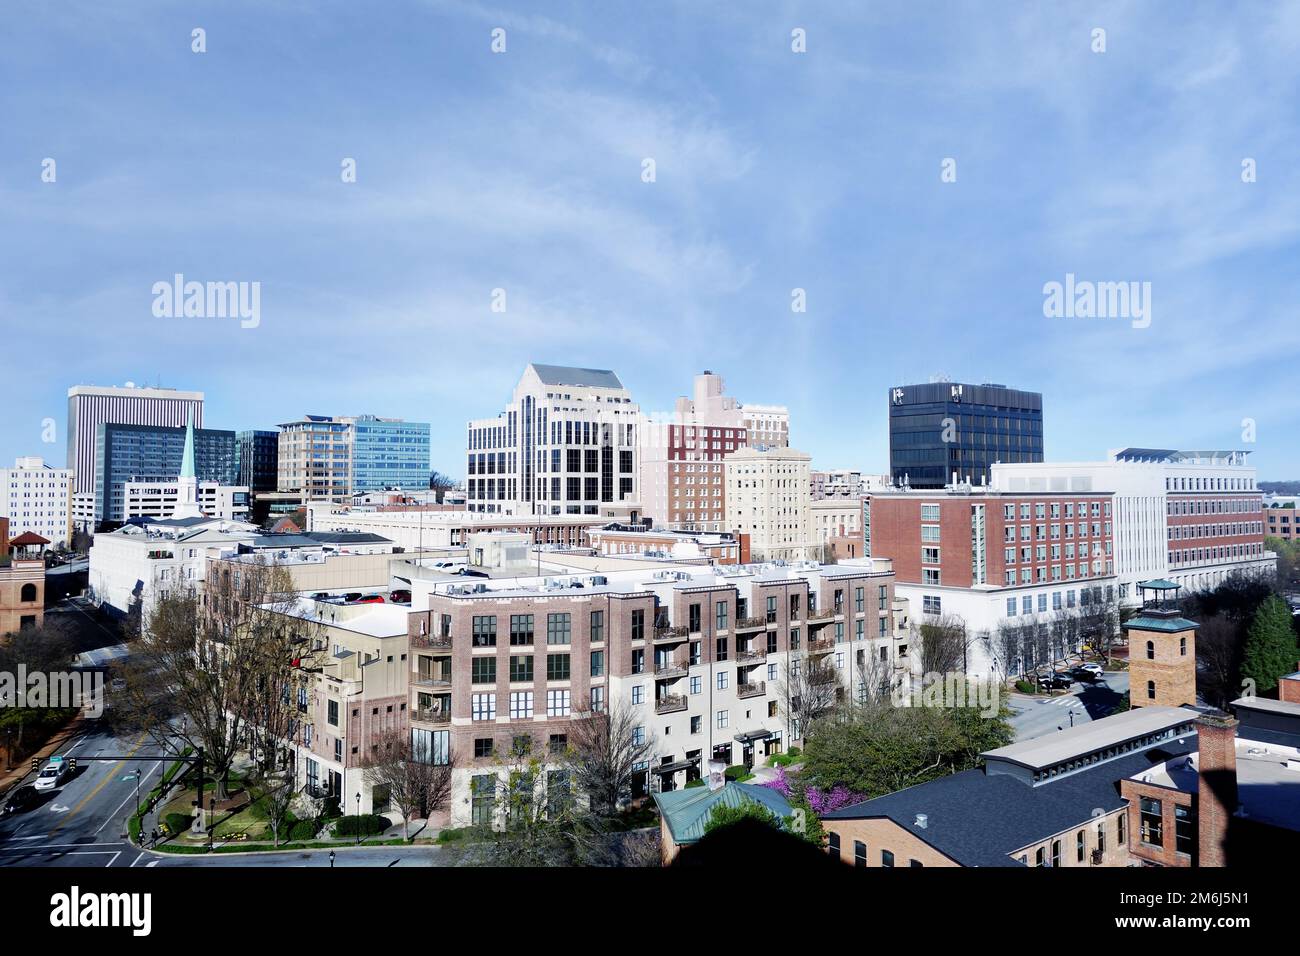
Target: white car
(54,774)
(1093,668)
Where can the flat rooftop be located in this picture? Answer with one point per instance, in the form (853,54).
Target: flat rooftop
(1052,749)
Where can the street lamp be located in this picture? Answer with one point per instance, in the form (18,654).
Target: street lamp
(358,818)
(331,859)
(137,791)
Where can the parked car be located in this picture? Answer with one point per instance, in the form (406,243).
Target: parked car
(370,599)
(448,567)
(1084,675)
(1093,668)
(352,597)
(22,800)
(54,775)
(1055,680)
(400,596)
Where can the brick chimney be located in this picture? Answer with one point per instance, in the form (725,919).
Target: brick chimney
(1217,790)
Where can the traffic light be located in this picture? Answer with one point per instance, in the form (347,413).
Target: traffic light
(36,763)
(72,764)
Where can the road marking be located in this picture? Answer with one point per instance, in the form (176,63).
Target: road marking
(145,777)
(137,860)
(152,863)
(103,783)
(58,846)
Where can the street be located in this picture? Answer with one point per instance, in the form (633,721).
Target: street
(1033,717)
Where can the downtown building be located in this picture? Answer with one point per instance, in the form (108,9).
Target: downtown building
(566,444)
(326,458)
(681,455)
(768,500)
(37,497)
(945,432)
(991,558)
(1191,517)
(704,659)
(151,455)
(90,406)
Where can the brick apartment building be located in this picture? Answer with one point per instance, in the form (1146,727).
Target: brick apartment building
(699,655)
(1281,522)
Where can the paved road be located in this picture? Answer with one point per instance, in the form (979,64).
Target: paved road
(83,823)
(1033,717)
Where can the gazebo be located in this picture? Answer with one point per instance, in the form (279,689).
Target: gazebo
(28,547)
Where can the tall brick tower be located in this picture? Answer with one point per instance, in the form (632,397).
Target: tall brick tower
(1216,797)
(1161,650)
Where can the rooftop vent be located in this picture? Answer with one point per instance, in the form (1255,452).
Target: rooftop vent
(922,821)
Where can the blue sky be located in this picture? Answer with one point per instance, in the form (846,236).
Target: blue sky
(774,171)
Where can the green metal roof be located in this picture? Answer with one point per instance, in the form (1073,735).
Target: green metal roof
(1167,624)
(687,811)
(1159,584)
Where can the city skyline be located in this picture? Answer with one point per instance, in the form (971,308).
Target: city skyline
(923,224)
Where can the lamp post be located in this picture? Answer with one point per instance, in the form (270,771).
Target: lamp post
(331,859)
(358,818)
(137,791)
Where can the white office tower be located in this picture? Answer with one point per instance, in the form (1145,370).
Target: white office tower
(89,406)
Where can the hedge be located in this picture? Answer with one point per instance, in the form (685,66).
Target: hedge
(178,822)
(368,824)
(303,830)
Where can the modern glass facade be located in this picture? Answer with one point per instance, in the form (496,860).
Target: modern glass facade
(153,453)
(945,427)
(256,459)
(389,454)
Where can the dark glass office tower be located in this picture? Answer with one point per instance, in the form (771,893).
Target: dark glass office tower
(946,427)
(257,459)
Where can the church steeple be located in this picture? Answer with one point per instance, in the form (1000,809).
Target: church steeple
(187,492)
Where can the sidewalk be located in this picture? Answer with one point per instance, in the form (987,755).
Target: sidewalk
(63,736)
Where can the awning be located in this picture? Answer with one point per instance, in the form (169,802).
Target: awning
(674,766)
(749,736)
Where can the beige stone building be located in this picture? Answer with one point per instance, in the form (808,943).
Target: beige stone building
(768,497)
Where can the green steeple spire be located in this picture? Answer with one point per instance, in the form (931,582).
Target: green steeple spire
(187,460)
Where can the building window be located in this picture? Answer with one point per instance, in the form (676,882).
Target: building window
(1184,830)
(483,706)
(1182,647)
(484,630)
(482,746)
(1080,846)
(483,792)
(1151,690)
(886,858)
(597,663)
(722,649)
(597,699)
(1151,824)
(1151,650)
(521,629)
(833,845)
(557,703)
(558,628)
(638,661)
(638,625)
(521,704)
(597,626)
(332,713)
(859,853)
(724,718)
(557,666)
(483,670)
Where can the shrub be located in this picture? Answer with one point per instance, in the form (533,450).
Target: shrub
(368,824)
(302,830)
(693,783)
(178,822)
(1024,687)
(738,772)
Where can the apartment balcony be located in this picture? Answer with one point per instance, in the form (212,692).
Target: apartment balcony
(670,635)
(670,670)
(432,641)
(818,618)
(670,703)
(751,655)
(820,646)
(751,623)
(431,680)
(757,689)
(823,675)
(429,715)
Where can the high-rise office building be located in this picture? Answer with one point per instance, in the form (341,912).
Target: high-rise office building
(35,497)
(946,428)
(257,459)
(566,444)
(152,453)
(327,458)
(89,406)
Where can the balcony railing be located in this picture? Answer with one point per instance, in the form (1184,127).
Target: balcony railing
(823,675)
(440,641)
(430,716)
(825,614)
(751,623)
(751,654)
(821,645)
(670,634)
(752,690)
(670,703)
(432,680)
(670,669)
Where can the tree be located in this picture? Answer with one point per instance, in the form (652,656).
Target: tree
(724,816)
(944,645)
(603,748)
(223,670)
(276,794)
(531,824)
(807,691)
(416,784)
(1098,626)
(1270,649)
(441,484)
(1219,647)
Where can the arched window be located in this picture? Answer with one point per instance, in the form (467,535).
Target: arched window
(1151,690)
(28,593)
(1182,648)
(1151,650)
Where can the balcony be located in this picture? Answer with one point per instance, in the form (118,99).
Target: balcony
(751,623)
(432,679)
(752,690)
(670,635)
(819,646)
(430,715)
(751,655)
(670,669)
(670,703)
(432,641)
(817,618)
(823,675)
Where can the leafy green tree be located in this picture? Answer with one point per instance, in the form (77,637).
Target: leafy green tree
(1270,645)
(724,816)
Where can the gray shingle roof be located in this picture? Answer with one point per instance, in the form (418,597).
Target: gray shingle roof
(978,819)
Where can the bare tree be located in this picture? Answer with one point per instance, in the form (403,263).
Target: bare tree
(944,645)
(419,784)
(276,793)
(807,691)
(218,671)
(440,484)
(1220,648)
(603,748)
